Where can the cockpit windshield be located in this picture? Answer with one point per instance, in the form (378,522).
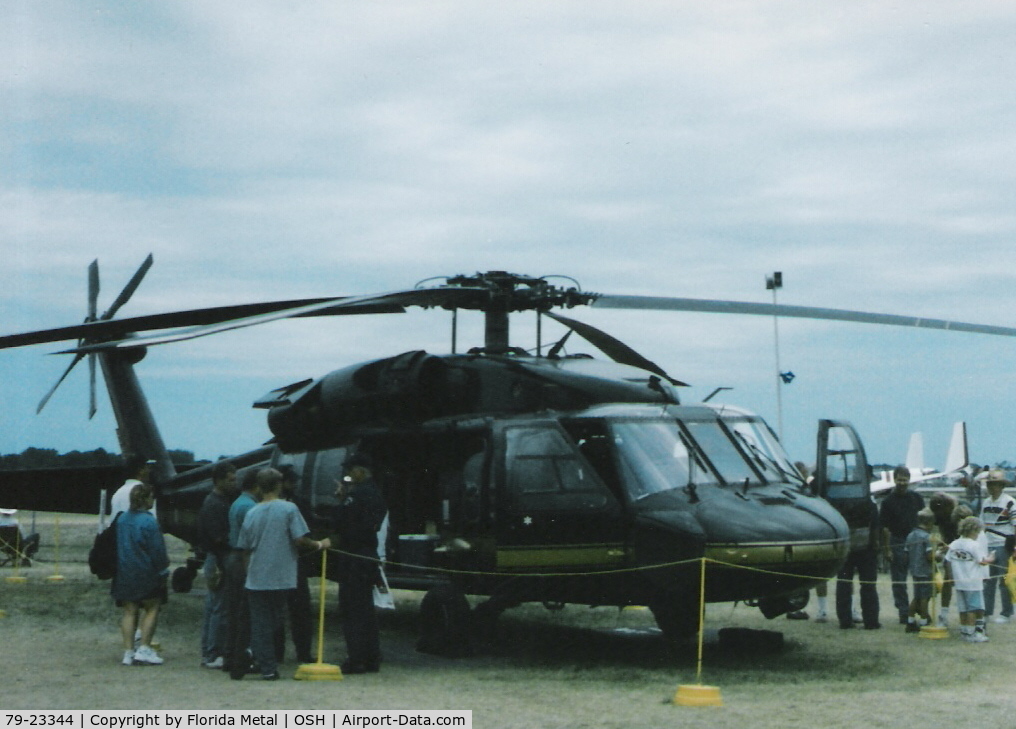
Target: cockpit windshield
(755,438)
(665,454)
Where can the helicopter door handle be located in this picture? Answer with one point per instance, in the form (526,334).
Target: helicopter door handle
(615,552)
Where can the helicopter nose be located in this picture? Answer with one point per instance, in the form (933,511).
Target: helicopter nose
(755,544)
(777,542)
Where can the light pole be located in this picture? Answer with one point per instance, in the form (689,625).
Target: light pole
(774,283)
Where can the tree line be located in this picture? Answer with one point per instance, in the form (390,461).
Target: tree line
(50,458)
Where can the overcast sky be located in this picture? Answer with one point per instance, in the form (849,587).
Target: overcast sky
(267,150)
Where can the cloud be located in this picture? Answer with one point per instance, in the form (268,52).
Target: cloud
(282,150)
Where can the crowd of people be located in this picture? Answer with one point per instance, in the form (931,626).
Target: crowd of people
(948,547)
(259,555)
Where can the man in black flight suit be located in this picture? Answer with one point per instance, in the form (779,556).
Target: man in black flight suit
(356,522)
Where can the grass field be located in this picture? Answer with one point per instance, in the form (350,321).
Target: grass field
(579,667)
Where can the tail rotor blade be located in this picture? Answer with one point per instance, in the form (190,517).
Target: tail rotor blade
(91,387)
(42,403)
(93,289)
(130,288)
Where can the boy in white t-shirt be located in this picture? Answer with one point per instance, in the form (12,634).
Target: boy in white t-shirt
(969,558)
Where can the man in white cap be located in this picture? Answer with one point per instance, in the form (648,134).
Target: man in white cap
(998,512)
(137,469)
(23,546)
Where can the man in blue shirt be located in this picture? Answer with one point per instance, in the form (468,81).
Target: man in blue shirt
(270,537)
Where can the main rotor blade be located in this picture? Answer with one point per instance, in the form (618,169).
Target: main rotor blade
(613,347)
(118,328)
(714,306)
(337,306)
(93,289)
(130,288)
(42,403)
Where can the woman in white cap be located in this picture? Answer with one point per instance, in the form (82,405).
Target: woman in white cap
(139,585)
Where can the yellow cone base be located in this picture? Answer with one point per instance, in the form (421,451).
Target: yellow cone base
(3,613)
(55,578)
(318,672)
(933,632)
(694,695)
(17,579)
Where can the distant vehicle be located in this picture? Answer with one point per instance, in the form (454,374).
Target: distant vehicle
(957,461)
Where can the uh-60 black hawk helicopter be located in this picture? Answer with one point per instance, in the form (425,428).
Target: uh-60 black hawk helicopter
(518,477)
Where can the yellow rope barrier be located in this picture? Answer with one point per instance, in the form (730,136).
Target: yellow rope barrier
(577,573)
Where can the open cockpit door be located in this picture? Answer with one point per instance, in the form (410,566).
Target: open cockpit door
(842,477)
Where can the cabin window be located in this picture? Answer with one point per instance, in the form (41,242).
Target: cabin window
(327,471)
(545,472)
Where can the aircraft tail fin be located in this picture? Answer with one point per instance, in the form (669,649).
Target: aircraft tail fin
(915,453)
(958,457)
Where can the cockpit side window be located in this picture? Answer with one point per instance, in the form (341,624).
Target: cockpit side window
(845,469)
(597,447)
(545,471)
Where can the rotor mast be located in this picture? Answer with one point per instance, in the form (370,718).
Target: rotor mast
(504,293)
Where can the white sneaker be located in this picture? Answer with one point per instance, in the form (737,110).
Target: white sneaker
(215,663)
(1001,620)
(128,658)
(822,617)
(147,657)
(978,638)
(943,621)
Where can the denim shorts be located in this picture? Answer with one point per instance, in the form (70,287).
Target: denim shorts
(922,588)
(969,601)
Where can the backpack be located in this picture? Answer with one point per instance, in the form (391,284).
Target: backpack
(102,555)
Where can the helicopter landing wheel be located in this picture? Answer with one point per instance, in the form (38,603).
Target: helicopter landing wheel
(676,618)
(445,623)
(182,580)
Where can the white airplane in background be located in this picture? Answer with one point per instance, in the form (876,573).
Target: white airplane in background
(956,461)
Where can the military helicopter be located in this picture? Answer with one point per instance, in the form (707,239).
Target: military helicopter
(511,476)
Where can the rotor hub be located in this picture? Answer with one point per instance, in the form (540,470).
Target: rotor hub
(509,292)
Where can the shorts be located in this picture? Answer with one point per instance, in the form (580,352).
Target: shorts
(160,593)
(969,601)
(922,588)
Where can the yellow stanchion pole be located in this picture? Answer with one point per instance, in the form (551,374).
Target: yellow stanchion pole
(56,576)
(696,694)
(1010,578)
(932,631)
(320,671)
(17,578)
